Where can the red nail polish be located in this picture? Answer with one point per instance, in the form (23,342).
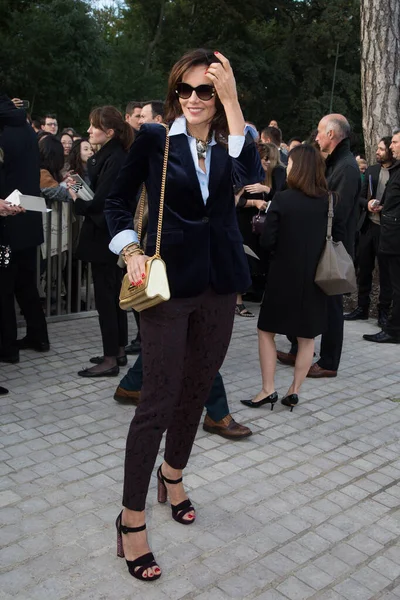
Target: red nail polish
(216,52)
(143,274)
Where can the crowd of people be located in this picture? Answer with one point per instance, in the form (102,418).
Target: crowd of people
(245,219)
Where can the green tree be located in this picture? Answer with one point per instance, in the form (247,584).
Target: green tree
(51,54)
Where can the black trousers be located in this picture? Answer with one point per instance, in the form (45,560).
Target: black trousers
(367,255)
(184,342)
(19,279)
(332,339)
(107,279)
(393,265)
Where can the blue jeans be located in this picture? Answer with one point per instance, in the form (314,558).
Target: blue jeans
(216,405)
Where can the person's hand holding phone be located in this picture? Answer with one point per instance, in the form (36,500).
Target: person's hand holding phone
(374,205)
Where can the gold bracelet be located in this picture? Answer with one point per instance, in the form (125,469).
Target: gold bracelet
(131,252)
(131,245)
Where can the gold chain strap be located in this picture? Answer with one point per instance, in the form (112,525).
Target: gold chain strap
(162,194)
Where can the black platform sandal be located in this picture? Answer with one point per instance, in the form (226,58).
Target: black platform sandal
(135,567)
(179,511)
(242,311)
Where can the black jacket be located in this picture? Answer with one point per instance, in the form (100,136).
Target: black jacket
(201,243)
(103,169)
(20,171)
(366,193)
(343,176)
(390,215)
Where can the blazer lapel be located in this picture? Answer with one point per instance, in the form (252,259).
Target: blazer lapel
(179,143)
(219,158)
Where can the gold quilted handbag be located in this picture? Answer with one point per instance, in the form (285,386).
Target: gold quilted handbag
(155,287)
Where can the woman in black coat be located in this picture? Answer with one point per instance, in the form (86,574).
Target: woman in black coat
(254,198)
(294,237)
(115,136)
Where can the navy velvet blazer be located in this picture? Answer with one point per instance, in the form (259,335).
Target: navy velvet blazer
(201,243)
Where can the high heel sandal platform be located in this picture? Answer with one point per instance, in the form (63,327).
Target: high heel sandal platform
(290,401)
(179,511)
(135,567)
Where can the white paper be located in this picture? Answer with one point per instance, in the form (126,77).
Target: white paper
(250,252)
(35,203)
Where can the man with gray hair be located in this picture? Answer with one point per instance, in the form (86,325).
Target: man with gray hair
(389,244)
(343,178)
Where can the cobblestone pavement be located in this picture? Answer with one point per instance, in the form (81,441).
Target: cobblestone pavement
(308,507)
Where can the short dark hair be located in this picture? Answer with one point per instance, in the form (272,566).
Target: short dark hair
(36,123)
(157,107)
(295,139)
(48,116)
(308,171)
(132,105)
(274,134)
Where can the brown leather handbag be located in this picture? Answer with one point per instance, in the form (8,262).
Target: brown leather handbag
(155,287)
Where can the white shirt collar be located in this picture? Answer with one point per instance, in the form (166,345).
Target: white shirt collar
(179,126)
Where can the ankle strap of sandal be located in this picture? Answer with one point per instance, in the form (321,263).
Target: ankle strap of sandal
(125,529)
(170,481)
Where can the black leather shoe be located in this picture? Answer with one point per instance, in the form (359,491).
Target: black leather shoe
(358,314)
(122,361)
(271,399)
(381,338)
(113,372)
(3,391)
(383,318)
(27,344)
(134,347)
(12,358)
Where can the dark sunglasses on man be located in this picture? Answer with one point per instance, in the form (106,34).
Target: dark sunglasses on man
(203,92)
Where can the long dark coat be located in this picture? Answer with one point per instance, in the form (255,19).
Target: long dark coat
(21,171)
(294,237)
(103,169)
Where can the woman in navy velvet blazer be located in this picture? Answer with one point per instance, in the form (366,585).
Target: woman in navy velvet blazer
(184,340)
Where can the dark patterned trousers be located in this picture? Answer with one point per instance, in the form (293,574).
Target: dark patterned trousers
(184,342)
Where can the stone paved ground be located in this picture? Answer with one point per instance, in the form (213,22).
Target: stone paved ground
(307,508)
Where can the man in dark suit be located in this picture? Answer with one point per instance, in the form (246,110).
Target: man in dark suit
(23,234)
(343,177)
(369,226)
(389,245)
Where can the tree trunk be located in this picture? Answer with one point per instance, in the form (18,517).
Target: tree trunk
(380,70)
(156,37)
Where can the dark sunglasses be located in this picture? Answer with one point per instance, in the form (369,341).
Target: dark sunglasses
(203,92)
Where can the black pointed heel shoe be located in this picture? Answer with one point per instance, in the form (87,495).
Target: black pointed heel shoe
(179,511)
(271,399)
(290,401)
(135,567)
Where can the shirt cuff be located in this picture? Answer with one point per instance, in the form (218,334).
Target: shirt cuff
(122,239)
(236,142)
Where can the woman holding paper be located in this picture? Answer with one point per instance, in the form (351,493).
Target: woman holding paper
(114,136)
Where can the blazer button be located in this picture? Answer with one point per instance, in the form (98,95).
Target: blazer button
(205,220)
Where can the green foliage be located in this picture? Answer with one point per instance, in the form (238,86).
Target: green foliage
(51,55)
(70,58)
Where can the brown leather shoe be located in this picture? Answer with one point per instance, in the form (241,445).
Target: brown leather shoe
(126,397)
(227,428)
(286,358)
(317,371)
